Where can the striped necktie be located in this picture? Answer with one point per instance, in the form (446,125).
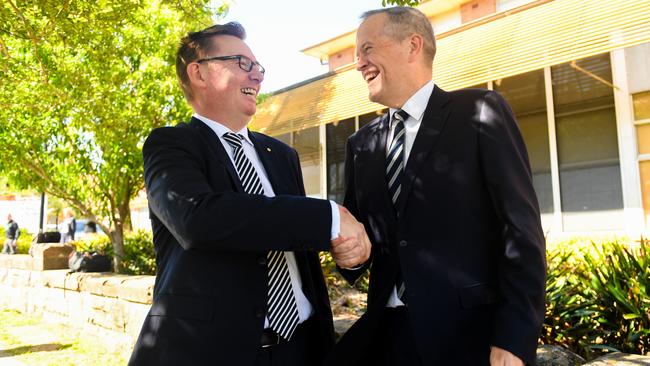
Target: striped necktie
(282,307)
(395,158)
(394,172)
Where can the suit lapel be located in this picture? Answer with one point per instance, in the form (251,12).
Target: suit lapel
(433,121)
(220,153)
(377,155)
(270,162)
(371,165)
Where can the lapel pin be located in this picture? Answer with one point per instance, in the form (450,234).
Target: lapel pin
(268,149)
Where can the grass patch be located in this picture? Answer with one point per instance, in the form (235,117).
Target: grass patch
(33,342)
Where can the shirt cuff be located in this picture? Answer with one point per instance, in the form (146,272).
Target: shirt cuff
(336,221)
(358,267)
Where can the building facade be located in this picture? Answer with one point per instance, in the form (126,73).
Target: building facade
(576,73)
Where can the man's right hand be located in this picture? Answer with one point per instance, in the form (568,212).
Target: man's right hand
(352,247)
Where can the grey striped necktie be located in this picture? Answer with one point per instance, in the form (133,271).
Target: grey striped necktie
(282,307)
(394,171)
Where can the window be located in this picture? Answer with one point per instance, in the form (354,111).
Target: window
(285,137)
(307,143)
(369,117)
(337,135)
(525,94)
(641,103)
(590,177)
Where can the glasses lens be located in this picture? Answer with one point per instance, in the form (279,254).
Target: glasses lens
(245,63)
(260,68)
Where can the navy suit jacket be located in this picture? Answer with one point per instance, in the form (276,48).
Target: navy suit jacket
(211,241)
(466,232)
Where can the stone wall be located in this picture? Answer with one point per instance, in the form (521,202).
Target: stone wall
(103,303)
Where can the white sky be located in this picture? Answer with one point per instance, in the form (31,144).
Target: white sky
(278,29)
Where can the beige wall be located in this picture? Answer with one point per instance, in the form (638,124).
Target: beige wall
(477,9)
(341,58)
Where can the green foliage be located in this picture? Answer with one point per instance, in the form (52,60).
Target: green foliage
(83,83)
(401,2)
(139,255)
(333,278)
(24,240)
(598,297)
(262,97)
(94,243)
(568,306)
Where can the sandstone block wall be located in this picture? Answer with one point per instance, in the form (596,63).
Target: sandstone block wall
(105,303)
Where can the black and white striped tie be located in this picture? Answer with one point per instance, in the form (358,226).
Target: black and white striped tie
(282,307)
(394,171)
(395,158)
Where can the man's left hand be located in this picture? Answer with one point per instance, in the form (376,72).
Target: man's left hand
(501,357)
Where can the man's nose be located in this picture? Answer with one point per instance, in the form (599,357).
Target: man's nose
(361,63)
(256,75)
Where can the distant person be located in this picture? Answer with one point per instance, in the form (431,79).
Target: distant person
(12,232)
(69,226)
(90,228)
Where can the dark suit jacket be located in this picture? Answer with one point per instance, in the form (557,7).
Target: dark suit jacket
(466,234)
(211,241)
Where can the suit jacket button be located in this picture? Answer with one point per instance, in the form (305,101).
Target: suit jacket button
(259,312)
(261,261)
(403,243)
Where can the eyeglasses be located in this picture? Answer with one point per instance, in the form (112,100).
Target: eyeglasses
(245,63)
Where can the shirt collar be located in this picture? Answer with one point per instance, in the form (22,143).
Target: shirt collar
(417,103)
(220,129)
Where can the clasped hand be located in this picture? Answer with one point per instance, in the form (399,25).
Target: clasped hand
(352,247)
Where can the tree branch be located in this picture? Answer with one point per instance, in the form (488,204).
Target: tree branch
(32,37)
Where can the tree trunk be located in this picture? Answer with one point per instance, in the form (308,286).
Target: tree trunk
(117,239)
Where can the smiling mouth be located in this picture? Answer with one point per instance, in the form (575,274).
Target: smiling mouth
(371,76)
(249,91)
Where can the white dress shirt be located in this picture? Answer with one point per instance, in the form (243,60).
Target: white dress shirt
(415,107)
(305,308)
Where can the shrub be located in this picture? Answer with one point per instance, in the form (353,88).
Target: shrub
(139,255)
(618,276)
(598,297)
(94,243)
(568,308)
(333,278)
(24,240)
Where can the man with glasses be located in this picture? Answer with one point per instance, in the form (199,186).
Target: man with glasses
(239,279)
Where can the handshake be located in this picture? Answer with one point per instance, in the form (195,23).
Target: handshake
(352,247)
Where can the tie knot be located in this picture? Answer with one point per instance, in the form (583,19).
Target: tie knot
(400,115)
(233,139)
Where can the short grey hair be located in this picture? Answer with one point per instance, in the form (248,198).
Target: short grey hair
(404,21)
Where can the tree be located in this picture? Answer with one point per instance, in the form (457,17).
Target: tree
(401,2)
(83,83)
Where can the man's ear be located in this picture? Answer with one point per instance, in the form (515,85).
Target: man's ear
(194,74)
(416,46)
